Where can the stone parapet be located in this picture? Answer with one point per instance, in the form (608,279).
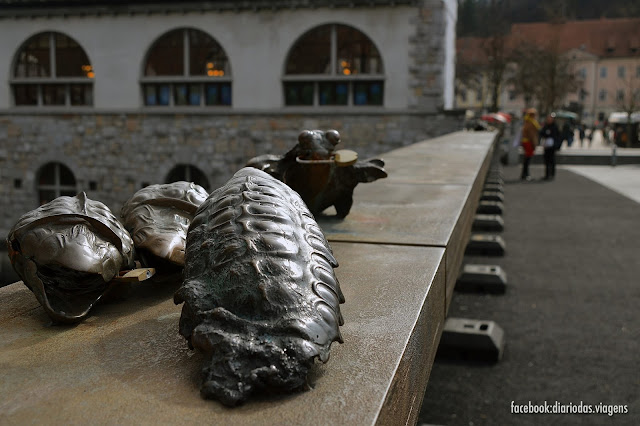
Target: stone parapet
(399,252)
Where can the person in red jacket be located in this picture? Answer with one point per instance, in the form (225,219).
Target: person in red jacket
(529,140)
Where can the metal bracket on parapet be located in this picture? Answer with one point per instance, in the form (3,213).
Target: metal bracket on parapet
(471,340)
(488,222)
(492,196)
(486,245)
(490,207)
(494,180)
(493,187)
(482,278)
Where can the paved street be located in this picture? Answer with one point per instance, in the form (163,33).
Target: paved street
(571,312)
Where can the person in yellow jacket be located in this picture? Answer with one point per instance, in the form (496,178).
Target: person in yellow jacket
(529,140)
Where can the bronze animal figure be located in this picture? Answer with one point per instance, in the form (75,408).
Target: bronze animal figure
(67,251)
(260,296)
(158,217)
(313,169)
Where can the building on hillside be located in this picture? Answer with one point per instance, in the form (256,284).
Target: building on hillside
(107,96)
(604,53)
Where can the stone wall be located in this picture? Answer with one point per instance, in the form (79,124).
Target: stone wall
(114,155)
(427,56)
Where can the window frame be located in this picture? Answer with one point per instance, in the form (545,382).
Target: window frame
(602,95)
(603,72)
(187,173)
(52,79)
(173,81)
(333,76)
(57,187)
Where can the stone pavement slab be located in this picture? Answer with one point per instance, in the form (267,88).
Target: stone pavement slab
(624,179)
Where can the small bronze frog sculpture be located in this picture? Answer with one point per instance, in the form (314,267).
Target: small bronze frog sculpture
(321,175)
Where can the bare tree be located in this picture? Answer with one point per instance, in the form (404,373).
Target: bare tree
(495,49)
(545,75)
(524,73)
(497,26)
(469,75)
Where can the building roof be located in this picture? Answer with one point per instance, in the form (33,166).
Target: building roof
(470,50)
(602,37)
(18,8)
(605,38)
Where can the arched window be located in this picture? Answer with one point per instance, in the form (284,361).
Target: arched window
(54,180)
(52,69)
(186,67)
(188,173)
(334,65)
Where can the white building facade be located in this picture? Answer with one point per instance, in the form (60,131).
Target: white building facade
(107,97)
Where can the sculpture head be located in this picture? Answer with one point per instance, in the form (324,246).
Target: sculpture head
(317,145)
(67,251)
(158,217)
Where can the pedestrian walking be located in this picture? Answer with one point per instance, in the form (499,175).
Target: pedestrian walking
(581,133)
(567,133)
(590,135)
(550,140)
(529,140)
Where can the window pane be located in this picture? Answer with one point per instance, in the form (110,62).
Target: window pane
(150,97)
(25,94)
(206,56)
(356,54)
(333,93)
(47,174)
(218,94)
(53,94)
(298,93)
(312,53)
(81,94)
(181,94)
(368,93)
(212,94)
(225,92)
(164,94)
(188,173)
(46,196)
(194,94)
(68,193)
(66,176)
(166,56)
(34,59)
(376,93)
(71,60)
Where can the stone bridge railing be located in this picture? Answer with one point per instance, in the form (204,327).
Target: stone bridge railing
(400,250)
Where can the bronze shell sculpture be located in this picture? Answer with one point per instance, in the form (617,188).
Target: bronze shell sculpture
(158,217)
(67,251)
(260,296)
(310,168)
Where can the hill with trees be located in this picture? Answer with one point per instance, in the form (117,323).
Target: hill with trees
(479,17)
